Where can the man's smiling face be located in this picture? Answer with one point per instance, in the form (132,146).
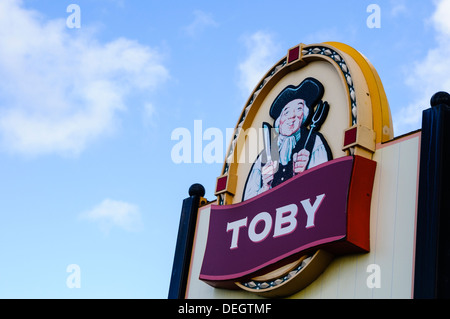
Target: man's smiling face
(291,117)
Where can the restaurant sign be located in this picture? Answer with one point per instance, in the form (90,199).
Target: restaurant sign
(299,194)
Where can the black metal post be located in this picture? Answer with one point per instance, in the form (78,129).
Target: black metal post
(432,266)
(185,238)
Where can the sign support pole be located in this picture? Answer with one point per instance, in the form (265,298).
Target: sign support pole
(185,239)
(432,268)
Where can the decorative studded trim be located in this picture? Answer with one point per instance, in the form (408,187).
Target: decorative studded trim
(344,68)
(263,285)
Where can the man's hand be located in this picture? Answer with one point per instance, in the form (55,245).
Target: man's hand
(300,160)
(268,171)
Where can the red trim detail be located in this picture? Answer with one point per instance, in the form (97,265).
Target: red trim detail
(221,183)
(350,136)
(294,54)
(359,201)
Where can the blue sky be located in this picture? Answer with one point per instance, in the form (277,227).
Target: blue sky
(87,114)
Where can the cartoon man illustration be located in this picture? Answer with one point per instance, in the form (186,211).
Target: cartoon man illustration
(299,148)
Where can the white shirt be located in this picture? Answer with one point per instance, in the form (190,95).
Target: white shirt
(318,156)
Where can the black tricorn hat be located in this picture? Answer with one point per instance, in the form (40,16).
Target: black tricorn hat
(310,90)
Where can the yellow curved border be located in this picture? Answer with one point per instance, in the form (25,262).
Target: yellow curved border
(382,119)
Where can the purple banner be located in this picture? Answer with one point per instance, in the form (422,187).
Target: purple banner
(306,211)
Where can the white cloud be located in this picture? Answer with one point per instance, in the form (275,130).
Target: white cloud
(398,7)
(201,21)
(262,54)
(440,18)
(428,75)
(111,213)
(61,89)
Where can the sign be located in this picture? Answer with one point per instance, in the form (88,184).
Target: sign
(296,186)
(300,215)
